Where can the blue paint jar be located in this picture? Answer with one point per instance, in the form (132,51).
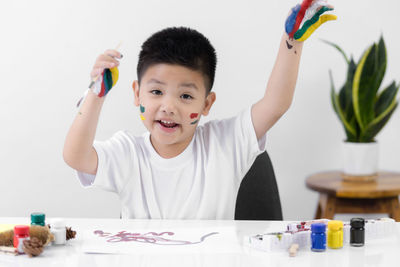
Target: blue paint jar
(318,237)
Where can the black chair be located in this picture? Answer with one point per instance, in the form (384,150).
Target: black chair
(258,196)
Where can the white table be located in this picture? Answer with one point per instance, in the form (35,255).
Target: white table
(374,253)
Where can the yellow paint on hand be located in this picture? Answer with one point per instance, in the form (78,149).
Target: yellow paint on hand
(322,19)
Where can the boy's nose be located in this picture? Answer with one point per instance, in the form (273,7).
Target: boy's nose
(168,106)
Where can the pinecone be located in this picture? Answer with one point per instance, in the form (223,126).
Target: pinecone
(70,233)
(32,247)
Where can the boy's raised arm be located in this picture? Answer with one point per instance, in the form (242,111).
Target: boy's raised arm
(78,150)
(280,88)
(302,21)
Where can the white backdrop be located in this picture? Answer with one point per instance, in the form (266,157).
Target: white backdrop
(48,48)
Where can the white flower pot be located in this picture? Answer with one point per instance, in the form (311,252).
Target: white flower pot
(360,159)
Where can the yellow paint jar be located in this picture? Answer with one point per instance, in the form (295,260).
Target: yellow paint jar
(335,234)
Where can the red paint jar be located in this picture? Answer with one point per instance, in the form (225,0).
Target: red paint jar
(21,232)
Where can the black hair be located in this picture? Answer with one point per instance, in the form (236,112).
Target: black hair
(181,46)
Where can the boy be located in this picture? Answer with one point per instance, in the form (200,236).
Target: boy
(178,170)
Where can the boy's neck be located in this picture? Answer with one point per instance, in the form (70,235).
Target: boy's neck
(169,151)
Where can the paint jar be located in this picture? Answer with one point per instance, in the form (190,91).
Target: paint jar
(335,234)
(318,237)
(37,218)
(21,232)
(59,231)
(357,232)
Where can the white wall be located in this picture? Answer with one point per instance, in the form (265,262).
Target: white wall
(48,48)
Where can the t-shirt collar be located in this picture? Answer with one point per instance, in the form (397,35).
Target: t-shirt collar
(170,163)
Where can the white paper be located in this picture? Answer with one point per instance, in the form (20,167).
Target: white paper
(161,241)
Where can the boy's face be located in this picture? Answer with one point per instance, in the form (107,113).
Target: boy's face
(172,99)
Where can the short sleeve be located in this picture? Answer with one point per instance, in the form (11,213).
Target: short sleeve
(113,163)
(236,140)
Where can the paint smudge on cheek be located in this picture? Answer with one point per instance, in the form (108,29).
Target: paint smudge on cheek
(142,110)
(193,116)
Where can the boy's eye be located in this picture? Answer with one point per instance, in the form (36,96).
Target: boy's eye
(156,92)
(186,96)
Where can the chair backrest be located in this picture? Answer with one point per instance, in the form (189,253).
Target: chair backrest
(258,196)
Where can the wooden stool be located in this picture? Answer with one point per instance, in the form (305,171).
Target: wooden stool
(338,196)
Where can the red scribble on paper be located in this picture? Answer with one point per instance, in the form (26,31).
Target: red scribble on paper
(150,237)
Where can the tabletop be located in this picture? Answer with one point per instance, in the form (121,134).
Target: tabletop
(387,184)
(383,252)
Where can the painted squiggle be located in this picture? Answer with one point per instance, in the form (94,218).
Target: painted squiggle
(150,237)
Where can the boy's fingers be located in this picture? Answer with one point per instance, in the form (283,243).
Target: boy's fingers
(105,64)
(113,53)
(107,58)
(96,72)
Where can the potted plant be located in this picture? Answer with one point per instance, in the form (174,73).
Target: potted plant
(363,109)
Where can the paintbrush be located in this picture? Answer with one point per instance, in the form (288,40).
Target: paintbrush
(94,80)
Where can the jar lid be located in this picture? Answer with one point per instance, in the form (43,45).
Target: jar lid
(37,217)
(318,227)
(357,222)
(21,230)
(335,225)
(58,223)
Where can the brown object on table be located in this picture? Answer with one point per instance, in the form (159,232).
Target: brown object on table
(342,196)
(32,247)
(6,238)
(42,233)
(360,179)
(293,250)
(70,233)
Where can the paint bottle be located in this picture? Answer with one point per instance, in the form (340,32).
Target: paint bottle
(357,232)
(318,237)
(335,234)
(37,218)
(21,232)
(59,231)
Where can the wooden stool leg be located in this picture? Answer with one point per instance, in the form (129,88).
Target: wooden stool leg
(318,212)
(327,204)
(394,209)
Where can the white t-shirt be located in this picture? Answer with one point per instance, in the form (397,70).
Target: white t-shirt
(200,183)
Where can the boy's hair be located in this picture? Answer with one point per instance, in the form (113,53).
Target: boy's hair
(180,46)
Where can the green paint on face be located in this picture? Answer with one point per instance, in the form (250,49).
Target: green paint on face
(142,109)
(194,122)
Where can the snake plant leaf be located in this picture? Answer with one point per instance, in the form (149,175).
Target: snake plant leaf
(376,125)
(360,106)
(367,79)
(385,99)
(350,131)
(346,92)
(338,48)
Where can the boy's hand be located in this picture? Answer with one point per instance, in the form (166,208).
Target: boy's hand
(304,19)
(105,72)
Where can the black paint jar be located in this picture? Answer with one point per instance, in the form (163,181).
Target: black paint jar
(357,232)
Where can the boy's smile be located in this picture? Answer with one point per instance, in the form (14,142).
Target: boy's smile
(172,99)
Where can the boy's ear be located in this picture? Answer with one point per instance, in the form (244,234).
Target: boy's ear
(210,99)
(135,87)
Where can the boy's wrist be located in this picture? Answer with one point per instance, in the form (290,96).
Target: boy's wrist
(291,41)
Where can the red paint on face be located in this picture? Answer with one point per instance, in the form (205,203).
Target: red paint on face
(194,115)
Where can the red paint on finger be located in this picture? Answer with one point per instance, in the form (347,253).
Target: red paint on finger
(194,115)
